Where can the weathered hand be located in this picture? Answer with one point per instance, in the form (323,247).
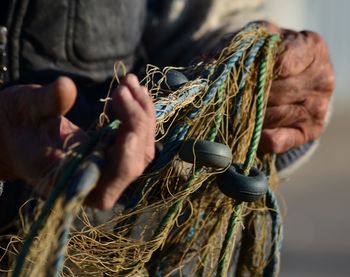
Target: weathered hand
(33,128)
(134,145)
(300,95)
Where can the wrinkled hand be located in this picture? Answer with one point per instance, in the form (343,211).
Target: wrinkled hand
(33,129)
(134,145)
(300,95)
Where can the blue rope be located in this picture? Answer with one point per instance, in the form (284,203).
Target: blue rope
(163,109)
(272,267)
(172,142)
(179,132)
(171,146)
(59,188)
(58,261)
(248,64)
(83,181)
(222,73)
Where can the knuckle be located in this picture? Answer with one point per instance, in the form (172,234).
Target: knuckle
(304,134)
(283,63)
(314,133)
(301,113)
(321,110)
(138,120)
(274,113)
(329,80)
(317,110)
(276,147)
(307,133)
(314,37)
(273,143)
(269,26)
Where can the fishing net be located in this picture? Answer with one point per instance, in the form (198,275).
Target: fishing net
(175,221)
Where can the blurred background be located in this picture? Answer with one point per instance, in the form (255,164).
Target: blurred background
(317,218)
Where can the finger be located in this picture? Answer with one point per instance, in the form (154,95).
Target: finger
(123,165)
(150,139)
(296,90)
(140,93)
(132,114)
(287,91)
(312,109)
(150,123)
(286,116)
(134,117)
(135,121)
(52,100)
(130,80)
(280,140)
(297,53)
(125,107)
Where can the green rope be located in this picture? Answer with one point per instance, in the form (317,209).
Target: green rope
(227,247)
(68,171)
(270,45)
(259,116)
(174,209)
(228,244)
(219,99)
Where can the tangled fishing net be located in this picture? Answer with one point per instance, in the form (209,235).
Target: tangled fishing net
(175,221)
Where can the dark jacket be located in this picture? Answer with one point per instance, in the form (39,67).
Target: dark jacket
(80,39)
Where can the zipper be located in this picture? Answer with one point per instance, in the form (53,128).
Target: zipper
(3,60)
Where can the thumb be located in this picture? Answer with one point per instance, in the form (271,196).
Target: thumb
(52,100)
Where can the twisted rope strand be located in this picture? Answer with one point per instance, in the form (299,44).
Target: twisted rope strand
(227,248)
(197,111)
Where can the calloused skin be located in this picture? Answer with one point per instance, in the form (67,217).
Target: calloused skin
(300,95)
(33,126)
(33,129)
